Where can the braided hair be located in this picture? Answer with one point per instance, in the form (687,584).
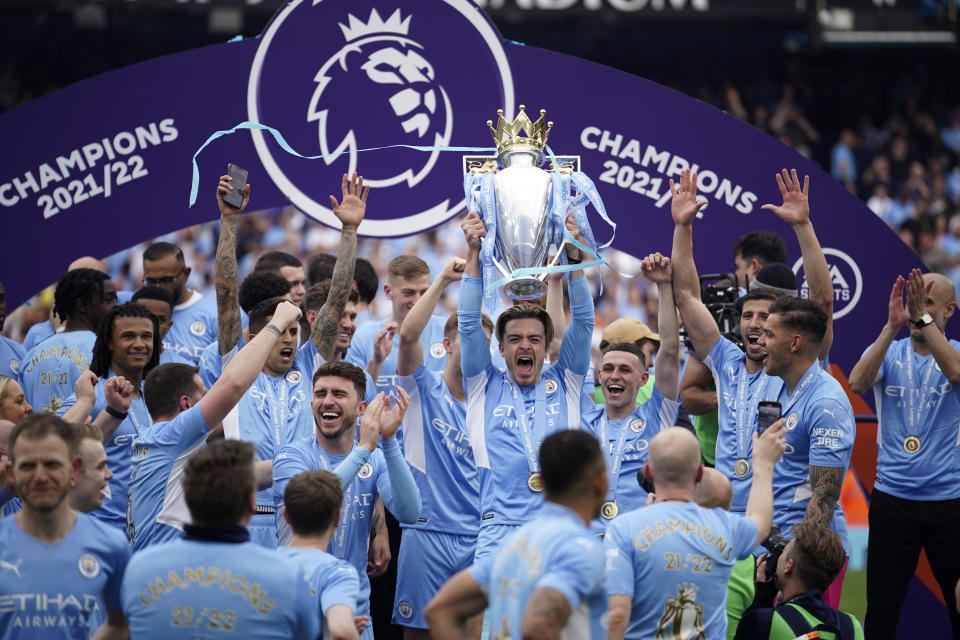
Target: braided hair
(100,362)
(82,284)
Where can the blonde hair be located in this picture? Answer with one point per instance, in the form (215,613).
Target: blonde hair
(4,381)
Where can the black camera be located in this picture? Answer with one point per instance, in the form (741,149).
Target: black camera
(774,544)
(719,294)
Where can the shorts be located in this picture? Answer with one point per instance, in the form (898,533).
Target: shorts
(491,537)
(427,560)
(263,530)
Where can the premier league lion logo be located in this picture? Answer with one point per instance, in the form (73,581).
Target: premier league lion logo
(388,68)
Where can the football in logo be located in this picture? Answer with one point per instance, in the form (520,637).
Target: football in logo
(845,276)
(88,565)
(437,350)
(198,328)
(637,425)
(405,609)
(293,376)
(791,421)
(365,471)
(550,386)
(341,78)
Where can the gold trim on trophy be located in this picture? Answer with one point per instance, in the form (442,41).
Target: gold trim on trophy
(507,134)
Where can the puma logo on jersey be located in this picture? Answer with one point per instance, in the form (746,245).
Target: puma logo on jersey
(12,567)
(830,413)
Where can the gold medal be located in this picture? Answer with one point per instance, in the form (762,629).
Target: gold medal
(911,444)
(609,510)
(535,482)
(742,468)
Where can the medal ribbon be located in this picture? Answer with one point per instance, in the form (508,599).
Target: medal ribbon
(614,470)
(914,413)
(815,372)
(539,416)
(745,409)
(278,410)
(339,539)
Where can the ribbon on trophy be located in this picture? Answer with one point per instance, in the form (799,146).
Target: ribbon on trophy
(568,193)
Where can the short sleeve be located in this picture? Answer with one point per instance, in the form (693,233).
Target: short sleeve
(287,463)
(184,430)
(577,571)
(480,571)
(619,573)
(357,353)
(721,353)
(120,552)
(743,534)
(341,587)
(832,431)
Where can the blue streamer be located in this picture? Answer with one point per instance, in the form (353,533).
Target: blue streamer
(195,182)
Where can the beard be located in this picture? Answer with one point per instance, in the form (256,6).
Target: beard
(347,422)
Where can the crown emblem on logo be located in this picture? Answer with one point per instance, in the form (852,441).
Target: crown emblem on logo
(508,134)
(356,28)
(688,593)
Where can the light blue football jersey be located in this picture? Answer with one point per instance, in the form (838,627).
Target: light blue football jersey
(674,560)
(308,360)
(48,371)
(157,510)
(11,353)
(625,443)
(914,399)
(204,589)
(437,448)
(499,447)
(194,327)
(365,476)
(820,433)
(332,581)
(361,349)
(553,550)
(119,453)
(53,591)
(737,390)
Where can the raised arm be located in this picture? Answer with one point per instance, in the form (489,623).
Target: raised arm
(767,449)
(795,211)
(473,339)
(349,212)
(410,355)
(229,329)
(695,394)
(244,368)
(575,348)
(556,313)
(918,298)
(698,322)
(866,372)
(401,496)
(84,397)
(118,394)
(657,268)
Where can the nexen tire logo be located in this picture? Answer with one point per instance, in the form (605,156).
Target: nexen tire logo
(339,76)
(845,276)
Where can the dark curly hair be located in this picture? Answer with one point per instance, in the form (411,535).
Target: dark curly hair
(80,284)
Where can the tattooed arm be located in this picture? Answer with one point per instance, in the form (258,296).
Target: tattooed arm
(229,329)
(825,483)
(460,598)
(545,616)
(378,553)
(350,212)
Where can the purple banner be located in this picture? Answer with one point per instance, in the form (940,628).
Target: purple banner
(104,164)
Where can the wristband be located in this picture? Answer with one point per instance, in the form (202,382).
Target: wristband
(274,328)
(119,415)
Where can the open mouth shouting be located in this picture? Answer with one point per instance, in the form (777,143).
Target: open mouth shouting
(754,349)
(614,391)
(524,366)
(286,354)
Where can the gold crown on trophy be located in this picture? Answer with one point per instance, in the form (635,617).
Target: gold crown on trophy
(508,134)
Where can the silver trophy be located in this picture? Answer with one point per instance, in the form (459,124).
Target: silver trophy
(522,189)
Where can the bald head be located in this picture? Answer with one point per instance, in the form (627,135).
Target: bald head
(714,490)
(87,262)
(674,458)
(942,289)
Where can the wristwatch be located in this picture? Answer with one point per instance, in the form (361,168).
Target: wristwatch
(924,320)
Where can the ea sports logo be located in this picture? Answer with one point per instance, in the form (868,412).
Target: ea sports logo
(339,76)
(846,279)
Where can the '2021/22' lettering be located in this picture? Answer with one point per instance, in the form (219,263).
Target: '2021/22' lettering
(114,174)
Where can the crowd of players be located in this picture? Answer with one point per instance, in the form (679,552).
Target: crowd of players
(176,465)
